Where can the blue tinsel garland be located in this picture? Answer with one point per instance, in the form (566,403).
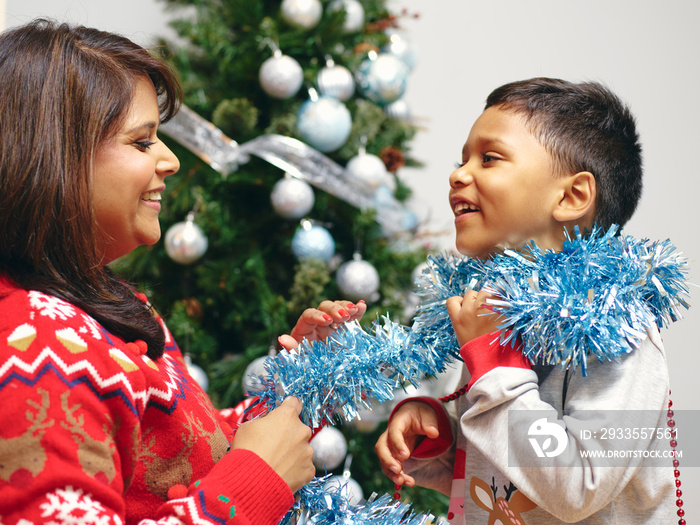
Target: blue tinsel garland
(594,298)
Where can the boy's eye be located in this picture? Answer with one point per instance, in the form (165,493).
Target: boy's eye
(486,158)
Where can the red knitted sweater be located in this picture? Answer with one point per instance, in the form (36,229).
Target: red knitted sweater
(93,431)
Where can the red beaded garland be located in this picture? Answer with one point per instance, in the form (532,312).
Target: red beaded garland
(454,395)
(397,494)
(676,473)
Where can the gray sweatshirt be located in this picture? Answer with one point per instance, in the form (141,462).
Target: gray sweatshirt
(523,434)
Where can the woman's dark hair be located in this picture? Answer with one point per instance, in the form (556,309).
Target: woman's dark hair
(584,127)
(64,90)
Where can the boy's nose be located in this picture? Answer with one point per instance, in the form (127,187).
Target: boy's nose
(461,177)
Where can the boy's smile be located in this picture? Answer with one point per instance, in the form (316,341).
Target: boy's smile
(504,192)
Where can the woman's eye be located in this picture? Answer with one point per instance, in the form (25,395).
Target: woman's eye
(144,145)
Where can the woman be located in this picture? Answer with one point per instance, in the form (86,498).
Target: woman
(100,420)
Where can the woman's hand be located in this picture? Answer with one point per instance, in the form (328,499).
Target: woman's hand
(316,324)
(282,441)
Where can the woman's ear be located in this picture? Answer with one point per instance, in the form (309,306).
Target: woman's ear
(578,197)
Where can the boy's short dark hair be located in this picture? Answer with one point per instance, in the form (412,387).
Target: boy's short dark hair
(585,127)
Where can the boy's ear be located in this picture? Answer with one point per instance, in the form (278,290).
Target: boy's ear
(577,198)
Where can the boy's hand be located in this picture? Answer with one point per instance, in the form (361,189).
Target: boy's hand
(471,317)
(408,426)
(317,324)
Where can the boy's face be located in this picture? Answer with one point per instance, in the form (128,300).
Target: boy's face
(505,191)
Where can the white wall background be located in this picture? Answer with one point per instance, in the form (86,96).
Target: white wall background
(645,51)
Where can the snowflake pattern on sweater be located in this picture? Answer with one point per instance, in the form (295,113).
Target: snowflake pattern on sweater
(94,431)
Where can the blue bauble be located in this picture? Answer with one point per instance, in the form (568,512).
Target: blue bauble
(382,79)
(313,242)
(324,123)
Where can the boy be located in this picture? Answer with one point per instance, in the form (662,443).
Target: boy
(545,156)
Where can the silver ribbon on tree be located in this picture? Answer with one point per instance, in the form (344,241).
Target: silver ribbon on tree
(292,156)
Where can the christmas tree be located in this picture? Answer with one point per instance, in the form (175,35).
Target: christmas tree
(289,193)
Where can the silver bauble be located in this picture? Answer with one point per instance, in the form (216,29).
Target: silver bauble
(399,110)
(304,14)
(280,76)
(313,242)
(405,221)
(324,123)
(185,242)
(382,78)
(419,270)
(357,279)
(368,420)
(251,381)
(197,373)
(292,198)
(330,448)
(367,170)
(400,47)
(347,486)
(336,82)
(354,14)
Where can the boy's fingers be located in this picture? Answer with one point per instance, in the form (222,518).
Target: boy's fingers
(390,466)
(453,305)
(431,431)
(396,441)
(292,403)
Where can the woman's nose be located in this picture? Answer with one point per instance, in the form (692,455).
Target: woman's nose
(168,164)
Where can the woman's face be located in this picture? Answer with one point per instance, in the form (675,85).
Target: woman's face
(129,174)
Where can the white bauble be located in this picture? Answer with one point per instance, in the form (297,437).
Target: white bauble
(251,380)
(281,76)
(367,170)
(330,448)
(346,486)
(185,242)
(357,279)
(292,198)
(324,123)
(354,14)
(304,14)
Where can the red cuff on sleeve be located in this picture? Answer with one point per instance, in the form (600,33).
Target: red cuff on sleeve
(246,488)
(483,354)
(432,447)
